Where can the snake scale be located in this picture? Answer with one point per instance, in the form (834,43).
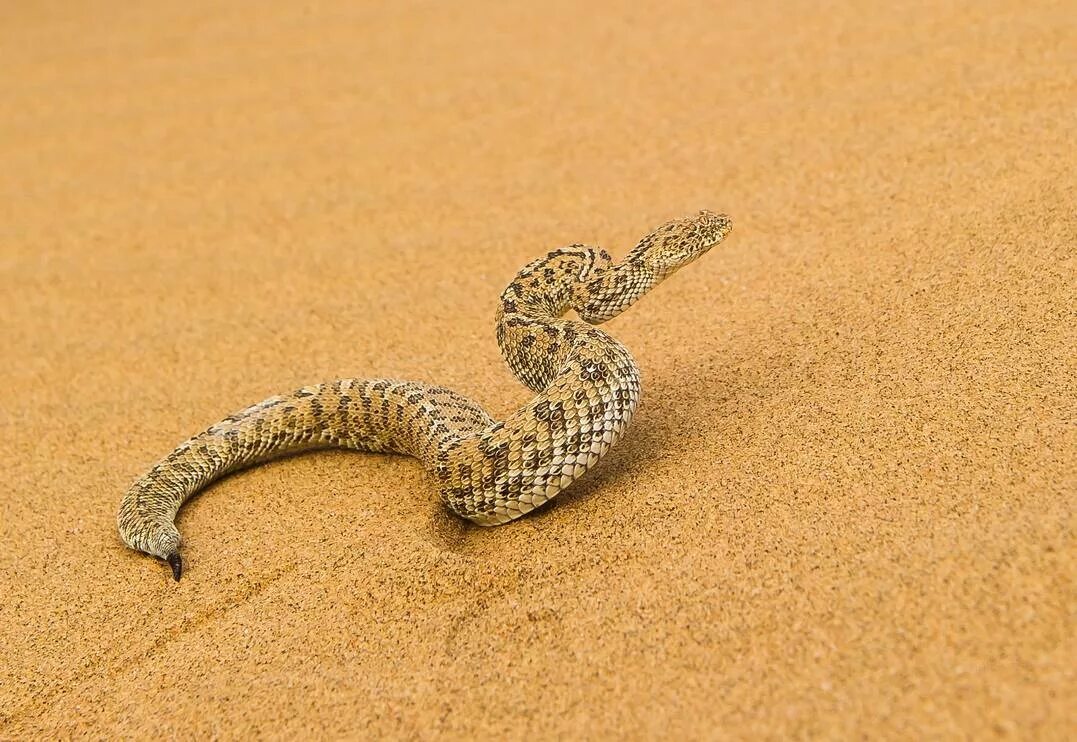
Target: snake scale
(491,472)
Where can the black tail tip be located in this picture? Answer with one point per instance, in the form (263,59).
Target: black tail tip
(176,564)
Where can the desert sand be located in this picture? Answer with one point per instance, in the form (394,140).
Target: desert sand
(845,506)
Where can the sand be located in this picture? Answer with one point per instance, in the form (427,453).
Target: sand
(845,506)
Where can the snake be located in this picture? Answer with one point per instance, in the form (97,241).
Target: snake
(586,389)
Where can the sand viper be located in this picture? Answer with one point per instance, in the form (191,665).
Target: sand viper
(586,388)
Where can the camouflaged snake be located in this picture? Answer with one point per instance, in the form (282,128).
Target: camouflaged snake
(491,472)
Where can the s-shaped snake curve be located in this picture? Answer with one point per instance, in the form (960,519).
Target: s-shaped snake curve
(489,471)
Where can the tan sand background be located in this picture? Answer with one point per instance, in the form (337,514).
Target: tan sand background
(846,504)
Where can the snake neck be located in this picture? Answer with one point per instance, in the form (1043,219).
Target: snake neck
(535,339)
(607,292)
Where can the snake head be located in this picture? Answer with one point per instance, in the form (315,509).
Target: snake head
(677,243)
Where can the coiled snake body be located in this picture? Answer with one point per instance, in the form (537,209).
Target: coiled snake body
(490,472)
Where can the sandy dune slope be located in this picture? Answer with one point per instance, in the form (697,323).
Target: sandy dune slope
(845,506)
